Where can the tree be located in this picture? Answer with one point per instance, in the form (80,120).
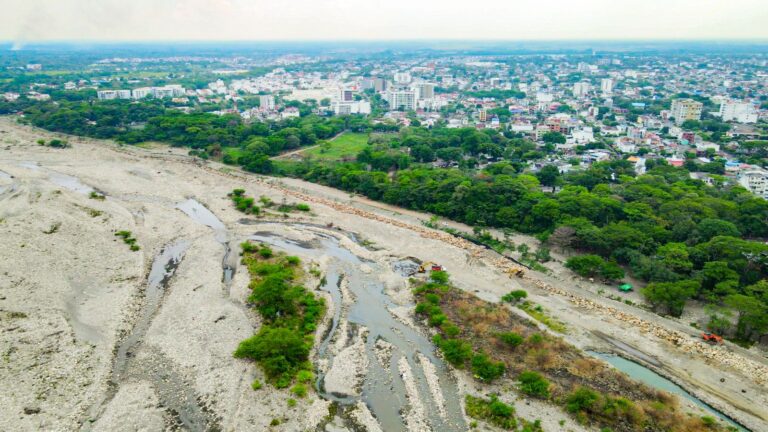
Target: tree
(752,316)
(514,296)
(563,237)
(585,265)
(611,271)
(670,295)
(553,137)
(675,257)
(549,175)
(709,228)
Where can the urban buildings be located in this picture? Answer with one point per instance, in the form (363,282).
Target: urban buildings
(402,99)
(686,109)
(267,102)
(741,112)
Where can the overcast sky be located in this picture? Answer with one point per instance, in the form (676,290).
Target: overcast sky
(136,20)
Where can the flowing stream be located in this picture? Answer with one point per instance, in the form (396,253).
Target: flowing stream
(383,388)
(652,379)
(200,214)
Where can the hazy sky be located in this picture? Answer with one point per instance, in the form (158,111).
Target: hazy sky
(112,20)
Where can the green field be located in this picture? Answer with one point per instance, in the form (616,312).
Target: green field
(345,146)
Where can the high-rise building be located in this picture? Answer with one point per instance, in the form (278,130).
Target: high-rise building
(686,109)
(402,99)
(267,102)
(482,115)
(581,89)
(606,85)
(402,77)
(425,91)
(379,84)
(742,112)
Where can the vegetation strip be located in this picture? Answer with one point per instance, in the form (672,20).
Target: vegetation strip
(544,366)
(290,314)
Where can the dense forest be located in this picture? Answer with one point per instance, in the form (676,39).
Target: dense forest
(686,238)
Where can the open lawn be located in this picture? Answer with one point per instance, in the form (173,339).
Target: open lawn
(345,146)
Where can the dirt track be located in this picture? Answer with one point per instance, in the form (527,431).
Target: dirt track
(84,288)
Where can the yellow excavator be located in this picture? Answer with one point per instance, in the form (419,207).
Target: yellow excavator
(514,271)
(430,266)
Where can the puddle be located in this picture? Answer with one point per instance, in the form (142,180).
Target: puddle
(383,388)
(652,379)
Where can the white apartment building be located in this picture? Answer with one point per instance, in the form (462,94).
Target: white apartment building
(756,181)
(606,85)
(742,112)
(581,89)
(267,102)
(351,107)
(424,91)
(402,77)
(686,109)
(402,99)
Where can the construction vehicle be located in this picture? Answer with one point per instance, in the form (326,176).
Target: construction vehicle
(712,338)
(429,265)
(515,271)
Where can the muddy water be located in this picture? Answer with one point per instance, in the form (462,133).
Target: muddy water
(652,379)
(135,361)
(163,268)
(383,388)
(200,214)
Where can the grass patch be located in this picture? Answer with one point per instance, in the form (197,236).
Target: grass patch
(128,239)
(540,314)
(492,411)
(343,147)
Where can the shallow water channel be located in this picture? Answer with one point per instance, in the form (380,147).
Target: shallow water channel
(652,379)
(383,389)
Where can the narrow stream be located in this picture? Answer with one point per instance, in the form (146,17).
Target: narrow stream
(163,268)
(200,214)
(383,388)
(652,379)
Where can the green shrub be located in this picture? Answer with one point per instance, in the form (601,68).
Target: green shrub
(439,276)
(486,369)
(585,265)
(493,411)
(302,207)
(266,252)
(300,390)
(512,339)
(514,296)
(450,329)
(279,351)
(292,260)
(248,247)
(457,352)
(533,384)
(256,385)
(305,376)
(291,402)
(582,399)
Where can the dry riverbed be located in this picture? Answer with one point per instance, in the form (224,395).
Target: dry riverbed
(72,293)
